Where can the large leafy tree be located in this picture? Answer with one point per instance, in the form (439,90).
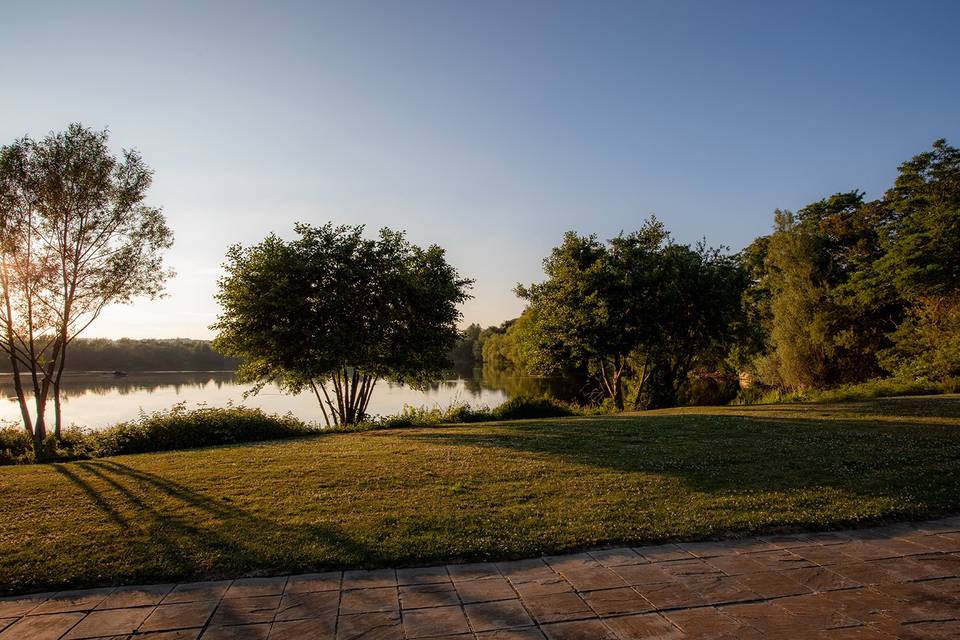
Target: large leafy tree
(824,326)
(699,312)
(846,288)
(638,306)
(76,237)
(335,312)
(922,263)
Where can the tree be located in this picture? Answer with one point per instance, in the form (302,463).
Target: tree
(922,264)
(856,288)
(826,325)
(699,315)
(332,311)
(77,238)
(637,306)
(922,248)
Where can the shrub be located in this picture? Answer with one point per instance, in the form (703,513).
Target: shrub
(709,388)
(884,388)
(880,388)
(180,428)
(527,407)
(15,446)
(517,408)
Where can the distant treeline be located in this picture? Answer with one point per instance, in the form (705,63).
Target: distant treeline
(125,354)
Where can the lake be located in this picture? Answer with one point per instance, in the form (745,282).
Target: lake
(96,400)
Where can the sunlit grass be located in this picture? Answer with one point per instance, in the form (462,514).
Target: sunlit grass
(478,491)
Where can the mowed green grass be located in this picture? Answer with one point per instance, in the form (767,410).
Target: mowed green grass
(481,491)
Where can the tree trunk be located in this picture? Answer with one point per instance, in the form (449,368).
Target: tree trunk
(21,396)
(352,390)
(12,350)
(612,383)
(57,414)
(638,397)
(617,393)
(62,360)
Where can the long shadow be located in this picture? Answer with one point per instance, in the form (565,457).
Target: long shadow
(95,497)
(164,529)
(231,515)
(723,453)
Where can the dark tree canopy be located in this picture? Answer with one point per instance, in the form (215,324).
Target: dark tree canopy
(846,290)
(638,305)
(335,309)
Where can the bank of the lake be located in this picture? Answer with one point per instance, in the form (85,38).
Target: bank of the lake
(480,491)
(100,399)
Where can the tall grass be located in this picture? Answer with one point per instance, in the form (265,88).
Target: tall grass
(880,388)
(516,408)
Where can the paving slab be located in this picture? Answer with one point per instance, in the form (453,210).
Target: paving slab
(49,626)
(438,621)
(485,590)
(310,582)
(299,606)
(423,596)
(493,616)
(312,628)
(898,581)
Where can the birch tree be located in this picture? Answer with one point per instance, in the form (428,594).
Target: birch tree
(77,237)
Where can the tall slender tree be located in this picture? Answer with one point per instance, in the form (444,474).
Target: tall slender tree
(77,238)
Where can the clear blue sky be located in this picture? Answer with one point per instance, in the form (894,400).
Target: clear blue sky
(487,127)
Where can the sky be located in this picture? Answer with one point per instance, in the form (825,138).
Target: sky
(489,128)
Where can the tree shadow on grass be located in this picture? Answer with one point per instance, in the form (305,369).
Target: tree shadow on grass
(177,533)
(740,453)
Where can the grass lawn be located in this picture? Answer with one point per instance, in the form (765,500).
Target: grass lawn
(480,491)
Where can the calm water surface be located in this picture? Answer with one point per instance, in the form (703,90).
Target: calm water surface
(97,400)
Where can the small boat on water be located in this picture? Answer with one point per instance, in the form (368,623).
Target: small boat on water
(119,374)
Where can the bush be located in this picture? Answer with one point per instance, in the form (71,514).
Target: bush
(15,446)
(880,388)
(885,388)
(179,428)
(528,407)
(708,389)
(516,408)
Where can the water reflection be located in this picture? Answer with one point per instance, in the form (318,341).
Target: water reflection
(100,399)
(106,384)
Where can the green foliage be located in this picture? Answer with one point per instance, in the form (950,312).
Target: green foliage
(177,428)
(927,343)
(517,408)
(821,331)
(922,256)
(180,428)
(16,447)
(511,347)
(639,305)
(869,390)
(469,348)
(529,407)
(334,308)
(848,289)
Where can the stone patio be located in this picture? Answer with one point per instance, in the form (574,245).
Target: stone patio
(899,581)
